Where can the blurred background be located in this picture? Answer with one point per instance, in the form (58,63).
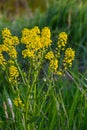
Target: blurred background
(15,8)
(20,7)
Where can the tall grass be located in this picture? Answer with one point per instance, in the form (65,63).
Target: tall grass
(60,106)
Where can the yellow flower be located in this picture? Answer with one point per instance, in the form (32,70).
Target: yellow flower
(25,32)
(27,53)
(11,62)
(69,57)
(59,73)
(45,37)
(62,40)
(4,47)
(12,52)
(8,41)
(31,38)
(49,55)
(13,74)
(46,32)
(54,65)
(12,40)
(36,30)
(6,33)
(34,42)
(10,49)
(15,40)
(2,60)
(17,102)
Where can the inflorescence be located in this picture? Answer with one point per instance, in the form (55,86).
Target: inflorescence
(36,44)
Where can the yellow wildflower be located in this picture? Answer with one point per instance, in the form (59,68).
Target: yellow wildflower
(49,55)
(31,38)
(34,42)
(62,40)
(59,73)
(11,41)
(46,32)
(27,53)
(1,48)
(10,49)
(6,33)
(36,30)
(15,40)
(8,41)
(54,64)
(4,47)
(45,37)
(13,74)
(2,60)
(25,32)
(12,52)
(11,62)
(69,57)
(17,102)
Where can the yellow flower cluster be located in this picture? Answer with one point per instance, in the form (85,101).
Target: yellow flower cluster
(49,55)
(6,33)
(69,57)
(36,44)
(13,74)
(17,102)
(45,37)
(62,40)
(28,53)
(55,58)
(35,40)
(54,65)
(9,43)
(9,47)
(53,61)
(2,60)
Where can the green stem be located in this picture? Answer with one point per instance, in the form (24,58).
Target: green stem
(20,72)
(34,89)
(34,97)
(30,89)
(26,113)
